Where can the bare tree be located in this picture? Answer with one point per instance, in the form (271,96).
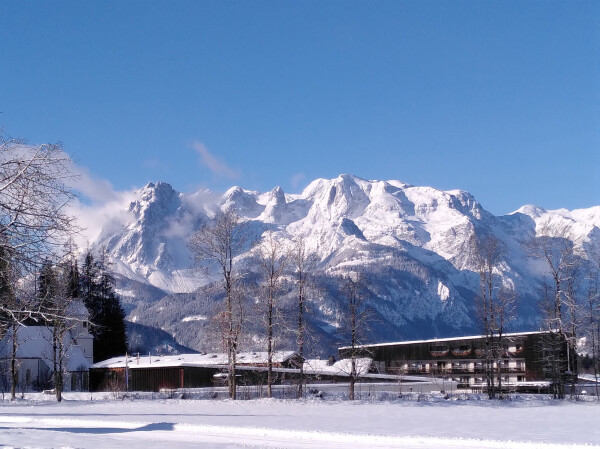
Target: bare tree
(573,301)
(555,247)
(355,323)
(34,195)
(495,306)
(10,315)
(220,242)
(593,329)
(504,312)
(58,292)
(303,265)
(34,223)
(272,258)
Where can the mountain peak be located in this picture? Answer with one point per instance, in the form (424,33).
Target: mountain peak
(531,210)
(278,194)
(157,200)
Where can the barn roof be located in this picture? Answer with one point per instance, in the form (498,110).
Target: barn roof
(199,360)
(340,368)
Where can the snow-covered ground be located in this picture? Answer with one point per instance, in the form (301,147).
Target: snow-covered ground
(432,422)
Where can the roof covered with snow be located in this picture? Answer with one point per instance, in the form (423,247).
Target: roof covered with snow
(438,340)
(199,360)
(35,342)
(340,368)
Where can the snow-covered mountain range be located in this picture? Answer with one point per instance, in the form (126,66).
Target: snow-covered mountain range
(414,243)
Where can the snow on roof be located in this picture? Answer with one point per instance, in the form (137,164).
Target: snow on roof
(35,342)
(340,368)
(589,378)
(438,340)
(32,341)
(77,309)
(212,359)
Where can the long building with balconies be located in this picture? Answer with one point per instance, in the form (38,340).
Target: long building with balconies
(521,358)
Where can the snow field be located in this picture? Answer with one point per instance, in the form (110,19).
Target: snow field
(524,423)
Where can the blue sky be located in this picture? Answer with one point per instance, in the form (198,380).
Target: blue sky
(500,98)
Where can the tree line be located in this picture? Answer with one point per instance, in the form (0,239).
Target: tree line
(281,270)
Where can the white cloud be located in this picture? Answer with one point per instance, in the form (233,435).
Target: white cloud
(98,206)
(211,162)
(94,189)
(107,216)
(297,179)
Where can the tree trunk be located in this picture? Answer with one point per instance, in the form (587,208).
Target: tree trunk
(499,378)
(13,363)
(231,346)
(352,379)
(301,342)
(595,358)
(270,348)
(231,378)
(58,374)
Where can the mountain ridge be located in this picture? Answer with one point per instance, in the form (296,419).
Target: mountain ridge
(420,236)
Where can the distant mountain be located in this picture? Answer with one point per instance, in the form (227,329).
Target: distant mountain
(413,242)
(146,339)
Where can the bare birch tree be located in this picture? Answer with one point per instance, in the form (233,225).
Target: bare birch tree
(555,247)
(593,328)
(272,258)
(488,253)
(220,242)
(496,307)
(34,195)
(58,293)
(34,223)
(355,323)
(303,265)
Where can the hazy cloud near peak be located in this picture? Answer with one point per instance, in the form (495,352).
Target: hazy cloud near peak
(297,179)
(99,205)
(102,216)
(210,161)
(95,189)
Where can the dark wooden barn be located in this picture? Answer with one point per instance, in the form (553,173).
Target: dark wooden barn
(151,378)
(153,373)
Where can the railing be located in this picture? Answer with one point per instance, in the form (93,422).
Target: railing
(437,370)
(454,370)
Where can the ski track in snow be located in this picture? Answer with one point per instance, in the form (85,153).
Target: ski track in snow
(298,425)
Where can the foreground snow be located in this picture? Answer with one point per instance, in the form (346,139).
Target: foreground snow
(525,422)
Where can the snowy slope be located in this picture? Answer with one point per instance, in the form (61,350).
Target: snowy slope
(415,243)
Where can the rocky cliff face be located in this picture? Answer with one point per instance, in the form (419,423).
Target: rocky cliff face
(415,243)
